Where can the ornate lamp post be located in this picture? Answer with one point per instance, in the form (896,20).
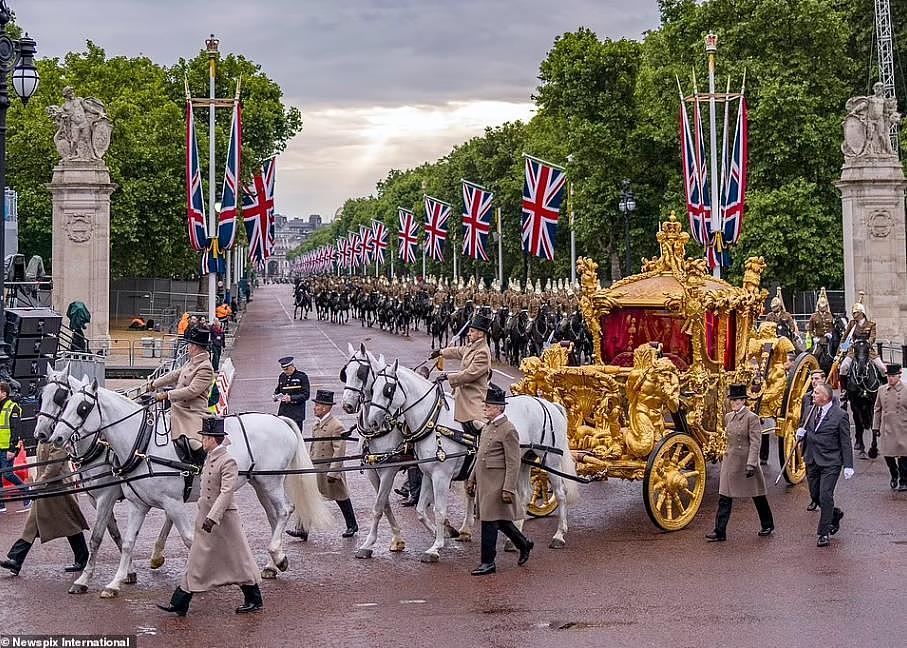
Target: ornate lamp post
(18,57)
(627,206)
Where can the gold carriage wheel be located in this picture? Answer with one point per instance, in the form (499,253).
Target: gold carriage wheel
(542,501)
(674,482)
(797,386)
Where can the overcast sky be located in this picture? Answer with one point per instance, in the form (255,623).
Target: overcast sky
(381,83)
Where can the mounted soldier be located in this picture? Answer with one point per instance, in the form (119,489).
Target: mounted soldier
(860,327)
(820,327)
(189,397)
(787,327)
(470,384)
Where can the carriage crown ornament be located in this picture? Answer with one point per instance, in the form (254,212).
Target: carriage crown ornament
(668,343)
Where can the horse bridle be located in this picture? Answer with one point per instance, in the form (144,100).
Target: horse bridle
(362,373)
(61,395)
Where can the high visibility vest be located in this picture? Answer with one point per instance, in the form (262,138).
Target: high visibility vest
(9,406)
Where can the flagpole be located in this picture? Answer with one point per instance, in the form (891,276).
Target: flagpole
(423,262)
(500,253)
(711,48)
(211,45)
(453,240)
(572,238)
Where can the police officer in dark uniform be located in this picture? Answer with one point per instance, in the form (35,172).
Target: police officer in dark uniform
(292,391)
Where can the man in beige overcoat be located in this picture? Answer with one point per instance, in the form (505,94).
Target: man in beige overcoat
(51,517)
(890,424)
(494,481)
(471,382)
(192,383)
(220,554)
(327,443)
(741,475)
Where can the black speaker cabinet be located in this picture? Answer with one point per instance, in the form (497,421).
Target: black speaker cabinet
(31,322)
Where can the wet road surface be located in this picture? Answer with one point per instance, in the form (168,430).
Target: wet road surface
(619,581)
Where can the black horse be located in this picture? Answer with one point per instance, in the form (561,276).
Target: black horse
(302,302)
(498,322)
(517,331)
(862,387)
(440,324)
(824,349)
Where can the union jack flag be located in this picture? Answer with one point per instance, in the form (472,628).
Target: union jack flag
(543,192)
(226,220)
(368,249)
(691,156)
(212,259)
(258,212)
(356,244)
(341,252)
(436,214)
(195,201)
(734,193)
(408,238)
(379,240)
(476,220)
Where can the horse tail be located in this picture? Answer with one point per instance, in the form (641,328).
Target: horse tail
(568,465)
(303,488)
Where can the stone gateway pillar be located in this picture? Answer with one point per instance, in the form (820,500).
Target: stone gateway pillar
(81,190)
(872,189)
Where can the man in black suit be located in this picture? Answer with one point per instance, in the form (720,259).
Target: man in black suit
(826,441)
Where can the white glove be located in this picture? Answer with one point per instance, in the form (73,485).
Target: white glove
(828,335)
(848,473)
(801,432)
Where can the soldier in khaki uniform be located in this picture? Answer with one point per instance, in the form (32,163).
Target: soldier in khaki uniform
(741,475)
(859,328)
(220,554)
(821,323)
(327,444)
(471,382)
(786,325)
(192,383)
(493,482)
(890,424)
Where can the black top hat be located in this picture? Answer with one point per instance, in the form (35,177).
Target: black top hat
(481,322)
(199,336)
(737,392)
(324,397)
(285,362)
(495,396)
(213,427)
(894,369)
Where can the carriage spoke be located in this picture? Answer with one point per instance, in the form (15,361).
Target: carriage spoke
(686,460)
(680,505)
(690,493)
(660,501)
(689,474)
(670,506)
(676,453)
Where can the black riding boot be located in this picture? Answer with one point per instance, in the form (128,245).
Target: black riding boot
(179,602)
(346,507)
(843,381)
(252,602)
(16,556)
(79,552)
(414,485)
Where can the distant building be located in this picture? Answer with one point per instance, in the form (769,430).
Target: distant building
(289,234)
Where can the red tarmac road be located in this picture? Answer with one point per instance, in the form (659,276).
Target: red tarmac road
(619,581)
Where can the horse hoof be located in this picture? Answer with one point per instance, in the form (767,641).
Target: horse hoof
(508,547)
(78,589)
(131,578)
(556,543)
(109,593)
(268,574)
(364,554)
(464,537)
(397,546)
(284,564)
(430,558)
(157,563)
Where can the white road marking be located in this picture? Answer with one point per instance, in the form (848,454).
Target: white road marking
(366,605)
(414,601)
(506,375)
(285,311)
(327,337)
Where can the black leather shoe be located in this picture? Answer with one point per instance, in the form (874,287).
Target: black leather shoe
(302,535)
(766,531)
(245,608)
(836,521)
(524,553)
(75,567)
(410,501)
(822,541)
(894,483)
(13,566)
(484,569)
(350,532)
(714,537)
(812,506)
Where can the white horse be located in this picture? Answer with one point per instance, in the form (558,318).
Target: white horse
(258,441)
(53,398)
(540,424)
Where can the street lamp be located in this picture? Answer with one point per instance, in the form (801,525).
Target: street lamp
(627,206)
(18,57)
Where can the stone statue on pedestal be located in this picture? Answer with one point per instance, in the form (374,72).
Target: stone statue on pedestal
(83,128)
(868,122)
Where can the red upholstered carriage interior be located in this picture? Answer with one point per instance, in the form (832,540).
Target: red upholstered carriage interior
(626,329)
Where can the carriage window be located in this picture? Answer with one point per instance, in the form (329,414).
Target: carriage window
(730,343)
(624,330)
